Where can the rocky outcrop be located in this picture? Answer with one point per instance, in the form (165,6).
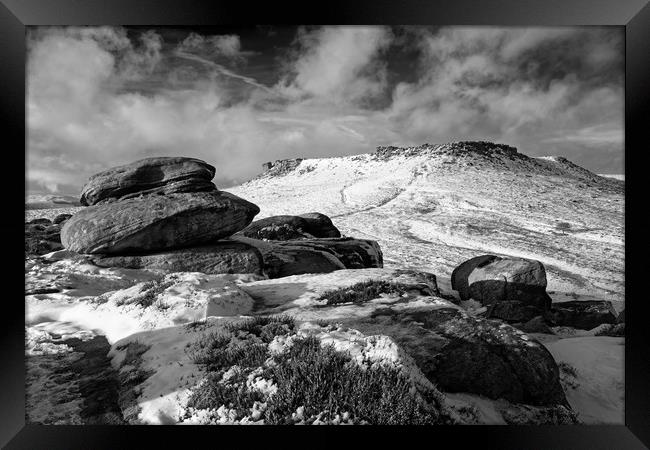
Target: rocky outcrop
(287,258)
(159,175)
(459,277)
(621,317)
(157,222)
(282,228)
(221,257)
(535,325)
(459,353)
(584,315)
(513,288)
(61,218)
(41,237)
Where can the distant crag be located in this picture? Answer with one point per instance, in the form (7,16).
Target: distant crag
(279,167)
(462,148)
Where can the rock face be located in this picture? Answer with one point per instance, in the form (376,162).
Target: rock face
(157,222)
(461,273)
(160,175)
(61,218)
(281,228)
(221,257)
(41,237)
(585,315)
(621,317)
(514,288)
(283,259)
(535,325)
(460,353)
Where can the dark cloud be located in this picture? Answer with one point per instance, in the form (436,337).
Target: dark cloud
(99,96)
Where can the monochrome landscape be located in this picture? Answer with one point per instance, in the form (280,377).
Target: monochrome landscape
(324,225)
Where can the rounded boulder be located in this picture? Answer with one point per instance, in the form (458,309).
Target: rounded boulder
(157,222)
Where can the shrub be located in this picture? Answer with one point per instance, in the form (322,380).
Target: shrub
(242,343)
(327,383)
(567,369)
(364,291)
(321,380)
(215,393)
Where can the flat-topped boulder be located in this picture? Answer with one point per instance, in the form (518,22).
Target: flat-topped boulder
(157,222)
(159,175)
(283,228)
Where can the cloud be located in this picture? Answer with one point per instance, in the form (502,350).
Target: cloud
(338,64)
(98,97)
(82,119)
(218,45)
(513,85)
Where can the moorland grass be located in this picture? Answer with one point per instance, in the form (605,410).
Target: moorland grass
(323,381)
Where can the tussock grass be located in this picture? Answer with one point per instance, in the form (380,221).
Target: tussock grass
(243,344)
(327,383)
(321,380)
(364,291)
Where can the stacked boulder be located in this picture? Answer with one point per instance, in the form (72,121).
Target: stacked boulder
(165,213)
(514,290)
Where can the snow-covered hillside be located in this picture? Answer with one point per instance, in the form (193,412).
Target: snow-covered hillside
(434,206)
(430,208)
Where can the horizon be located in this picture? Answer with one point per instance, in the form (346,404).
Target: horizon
(99,97)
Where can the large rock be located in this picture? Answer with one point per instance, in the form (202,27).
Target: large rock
(461,273)
(61,218)
(287,258)
(281,228)
(584,315)
(221,257)
(535,325)
(157,222)
(460,353)
(160,175)
(514,288)
(621,317)
(41,237)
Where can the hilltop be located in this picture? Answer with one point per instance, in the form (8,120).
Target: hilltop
(433,206)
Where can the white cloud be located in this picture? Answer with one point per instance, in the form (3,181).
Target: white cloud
(338,64)
(84,115)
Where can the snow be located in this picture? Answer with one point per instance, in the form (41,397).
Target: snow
(431,212)
(428,211)
(163,394)
(186,297)
(599,362)
(614,176)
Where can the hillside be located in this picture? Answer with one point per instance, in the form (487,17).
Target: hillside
(433,206)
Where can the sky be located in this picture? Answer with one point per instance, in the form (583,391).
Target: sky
(98,97)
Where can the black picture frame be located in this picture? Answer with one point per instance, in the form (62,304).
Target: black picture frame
(633,15)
